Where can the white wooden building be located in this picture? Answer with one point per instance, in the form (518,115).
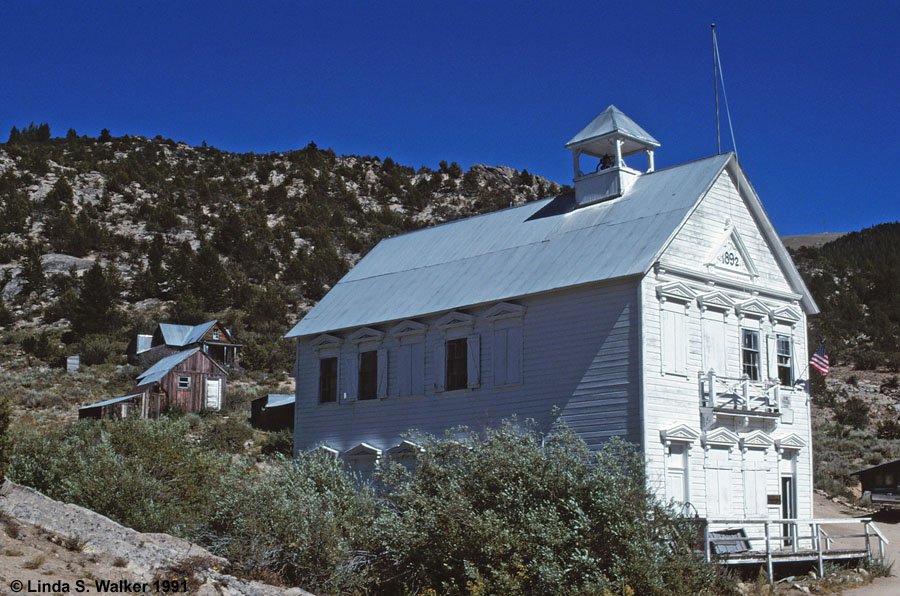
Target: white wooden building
(655,305)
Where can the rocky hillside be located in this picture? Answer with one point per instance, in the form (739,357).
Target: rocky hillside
(187,233)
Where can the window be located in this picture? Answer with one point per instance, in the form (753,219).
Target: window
(677,483)
(785,368)
(713,329)
(674,339)
(507,352)
(368,375)
(718,482)
(215,334)
(184,382)
(755,502)
(457,359)
(411,369)
(328,370)
(750,353)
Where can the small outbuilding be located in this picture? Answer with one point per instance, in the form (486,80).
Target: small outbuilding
(189,378)
(117,407)
(273,412)
(882,484)
(212,337)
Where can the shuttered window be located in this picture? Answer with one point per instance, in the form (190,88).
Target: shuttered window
(714,343)
(718,482)
(368,375)
(328,380)
(673,339)
(411,370)
(755,483)
(507,356)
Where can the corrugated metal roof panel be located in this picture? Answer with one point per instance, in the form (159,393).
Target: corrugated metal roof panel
(611,120)
(182,335)
(197,332)
(159,370)
(514,252)
(109,402)
(144,343)
(279,399)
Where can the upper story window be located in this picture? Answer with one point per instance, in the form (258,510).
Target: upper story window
(785,361)
(184,382)
(215,334)
(328,369)
(368,375)
(750,353)
(457,364)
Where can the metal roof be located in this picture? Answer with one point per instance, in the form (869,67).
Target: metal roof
(144,343)
(539,246)
(161,368)
(610,122)
(886,464)
(279,399)
(109,402)
(183,335)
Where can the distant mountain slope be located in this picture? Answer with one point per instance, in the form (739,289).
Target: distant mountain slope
(252,238)
(814,240)
(855,280)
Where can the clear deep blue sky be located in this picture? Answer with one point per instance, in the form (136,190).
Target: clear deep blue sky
(814,87)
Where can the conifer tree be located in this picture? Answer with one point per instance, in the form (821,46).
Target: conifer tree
(95,311)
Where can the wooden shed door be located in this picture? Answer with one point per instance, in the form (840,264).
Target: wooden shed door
(213,393)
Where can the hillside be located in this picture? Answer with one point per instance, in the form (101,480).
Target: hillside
(190,233)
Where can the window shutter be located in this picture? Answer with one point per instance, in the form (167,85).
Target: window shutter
(680,344)
(317,383)
(473,349)
(499,350)
(772,356)
(667,324)
(351,376)
(417,380)
(404,371)
(382,387)
(514,355)
(440,365)
(714,346)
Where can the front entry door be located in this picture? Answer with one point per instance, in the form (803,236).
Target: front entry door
(213,394)
(788,506)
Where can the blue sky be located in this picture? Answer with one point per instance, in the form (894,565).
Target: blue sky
(814,88)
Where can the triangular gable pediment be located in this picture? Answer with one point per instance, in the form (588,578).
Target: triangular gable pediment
(791,441)
(676,291)
(362,451)
(327,450)
(682,432)
(408,327)
(757,439)
(404,449)
(720,436)
(715,300)
(787,314)
(325,341)
(504,310)
(366,334)
(731,255)
(455,319)
(753,308)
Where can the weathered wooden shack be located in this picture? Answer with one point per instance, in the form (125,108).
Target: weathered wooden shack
(212,337)
(117,407)
(190,378)
(881,484)
(273,412)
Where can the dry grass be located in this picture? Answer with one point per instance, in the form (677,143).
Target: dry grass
(34,563)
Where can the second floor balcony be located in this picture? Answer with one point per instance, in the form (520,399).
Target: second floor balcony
(741,397)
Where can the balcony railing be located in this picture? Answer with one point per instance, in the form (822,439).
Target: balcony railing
(739,396)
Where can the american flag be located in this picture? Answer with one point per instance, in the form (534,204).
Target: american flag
(819,360)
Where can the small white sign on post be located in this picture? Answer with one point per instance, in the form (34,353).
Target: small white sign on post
(73,363)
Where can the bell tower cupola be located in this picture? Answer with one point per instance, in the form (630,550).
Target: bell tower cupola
(610,138)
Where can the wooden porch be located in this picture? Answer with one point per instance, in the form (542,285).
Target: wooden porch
(783,541)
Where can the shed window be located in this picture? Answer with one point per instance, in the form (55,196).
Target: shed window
(368,375)
(785,364)
(750,353)
(457,373)
(215,334)
(184,382)
(328,379)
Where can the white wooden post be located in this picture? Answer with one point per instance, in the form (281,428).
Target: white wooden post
(819,551)
(769,555)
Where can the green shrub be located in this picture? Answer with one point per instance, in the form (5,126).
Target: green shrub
(888,429)
(853,411)
(228,435)
(281,442)
(97,349)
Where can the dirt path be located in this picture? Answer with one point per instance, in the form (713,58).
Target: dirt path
(888,524)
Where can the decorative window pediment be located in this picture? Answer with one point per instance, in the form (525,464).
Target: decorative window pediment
(326,341)
(455,319)
(327,450)
(791,441)
(363,451)
(721,437)
(715,301)
(404,449)
(753,308)
(408,327)
(731,255)
(787,314)
(504,310)
(676,292)
(682,432)
(366,334)
(757,439)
